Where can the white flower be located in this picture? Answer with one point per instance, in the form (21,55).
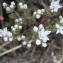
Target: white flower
(29,45)
(24,42)
(55,5)
(11,6)
(4,4)
(59,29)
(10,38)
(18,38)
(57,26)
(60,17)
(5,39)
(25,6)
(12,3)
(20,19)
(34,13)
(43,34)
(39,11)
(55,10)
(38,42)
(9,34)
(38,16)
(16,20)
(5,32)
(44,44)
(22,37)
(40,26)
(16,26)
(8,9)
(45,38)
(11,26)
(0,35)
(20,27)
(35,29)
(13,29)
(61,21)
(42,10)
(20,4)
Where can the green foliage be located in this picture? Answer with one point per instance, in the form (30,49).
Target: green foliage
(7,24)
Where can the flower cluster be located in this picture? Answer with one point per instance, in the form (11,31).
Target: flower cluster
(18,25)
(59,26)
(38,13)
(7,35)
(9,8)
(21,38)
(59,29)
(28,44)
(55,5)
(24,42)
(42,35)
(22,6)
(17,22)
(61,19)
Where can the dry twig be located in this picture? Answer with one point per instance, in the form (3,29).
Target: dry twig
(10,50)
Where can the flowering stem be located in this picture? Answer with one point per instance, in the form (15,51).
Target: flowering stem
(17,13)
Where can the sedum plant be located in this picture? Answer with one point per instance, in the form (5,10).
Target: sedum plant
(23,22)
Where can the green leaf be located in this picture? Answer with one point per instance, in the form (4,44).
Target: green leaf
(7,24)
